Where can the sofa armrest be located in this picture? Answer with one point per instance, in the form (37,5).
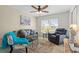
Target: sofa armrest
(62,38)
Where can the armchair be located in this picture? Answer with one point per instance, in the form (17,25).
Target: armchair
(10,39)
(58,36)
(22,37)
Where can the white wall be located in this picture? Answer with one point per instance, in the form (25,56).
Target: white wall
(73,13)
(75,18)
(78,15)
(77,21)
(10,20)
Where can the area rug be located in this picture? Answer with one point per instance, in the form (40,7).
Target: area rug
(45,46)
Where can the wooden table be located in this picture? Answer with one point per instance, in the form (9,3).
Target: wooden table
(45,35)
(68,47)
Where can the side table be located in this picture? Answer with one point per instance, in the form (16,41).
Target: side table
(66,46)
(70,47)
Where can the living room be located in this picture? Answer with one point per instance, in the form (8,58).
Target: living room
(13,18)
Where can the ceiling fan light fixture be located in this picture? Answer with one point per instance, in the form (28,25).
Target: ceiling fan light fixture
(40,9)
(39,12)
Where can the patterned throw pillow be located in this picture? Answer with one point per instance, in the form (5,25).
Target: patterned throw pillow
(10,39)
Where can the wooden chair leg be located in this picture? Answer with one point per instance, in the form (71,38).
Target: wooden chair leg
(11,48)
(26,49)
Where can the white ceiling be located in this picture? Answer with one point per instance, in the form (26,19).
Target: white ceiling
(51,8)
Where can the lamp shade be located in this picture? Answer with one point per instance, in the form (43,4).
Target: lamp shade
(74,29)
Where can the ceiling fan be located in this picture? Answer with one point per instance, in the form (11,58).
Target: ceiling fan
(39,9)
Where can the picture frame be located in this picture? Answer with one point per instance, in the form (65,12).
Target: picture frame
(24,20)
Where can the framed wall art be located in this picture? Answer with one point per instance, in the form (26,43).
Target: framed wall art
(24,20)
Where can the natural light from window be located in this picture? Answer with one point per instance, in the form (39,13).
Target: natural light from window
(49,25)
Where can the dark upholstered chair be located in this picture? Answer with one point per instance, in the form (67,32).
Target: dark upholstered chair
(58,36)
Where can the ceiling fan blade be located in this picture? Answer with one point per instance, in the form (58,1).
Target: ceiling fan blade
(45,11)
(44,7)
(34,7)
(33,11)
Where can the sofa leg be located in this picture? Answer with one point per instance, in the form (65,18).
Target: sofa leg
(26,49)
(11,48)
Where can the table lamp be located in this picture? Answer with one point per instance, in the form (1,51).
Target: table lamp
(73,31)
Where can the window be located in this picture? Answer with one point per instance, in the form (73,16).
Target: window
(53,22)
(49,25)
